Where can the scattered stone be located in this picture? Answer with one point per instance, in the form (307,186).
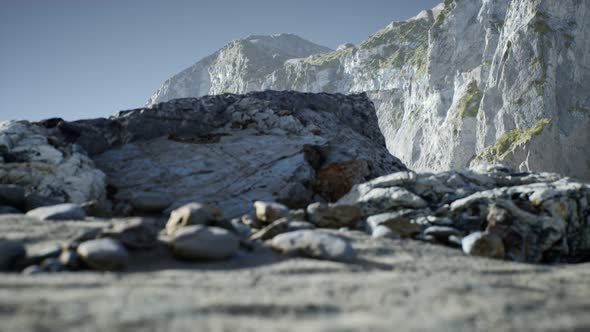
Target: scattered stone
(12,253)
(314,244)
(400,223)
(150,202)
(12,195)
(333,216)
(49,251)
(202,242)
(188,215)
(267,212)
(380,200)
(442,233)
(483,244)
(134,233)
(104,254)
(58,212)
(5,209)
(280,226)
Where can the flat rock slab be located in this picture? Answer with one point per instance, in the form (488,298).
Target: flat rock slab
(314,244)
(231,174)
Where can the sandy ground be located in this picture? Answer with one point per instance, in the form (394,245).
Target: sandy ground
(396,285)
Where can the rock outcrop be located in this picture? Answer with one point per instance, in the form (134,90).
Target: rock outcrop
(226,151)
(531,217)
(468,82)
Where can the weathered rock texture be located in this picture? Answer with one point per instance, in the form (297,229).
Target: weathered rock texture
(402,283)
(226,151)
(471,81)
(540,218)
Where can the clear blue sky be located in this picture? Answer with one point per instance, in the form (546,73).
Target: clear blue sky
(90,58)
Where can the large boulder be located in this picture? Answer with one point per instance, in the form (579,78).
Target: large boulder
(231,150)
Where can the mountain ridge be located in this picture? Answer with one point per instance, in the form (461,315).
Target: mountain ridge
(466,83)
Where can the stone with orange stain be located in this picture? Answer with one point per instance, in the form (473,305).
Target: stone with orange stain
(336,180)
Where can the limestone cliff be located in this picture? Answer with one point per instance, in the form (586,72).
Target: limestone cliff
(468,82)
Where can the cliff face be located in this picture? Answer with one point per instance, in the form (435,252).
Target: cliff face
(468,82)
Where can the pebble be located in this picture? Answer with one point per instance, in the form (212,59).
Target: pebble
(397,222)
(384,232)
(136,233)
(333,216)
(104,254)
(48,251)
(12,253)
(202,242)
(188,215)
(483,244)
(58,212)
(314,244)
(150,202)
(267,212)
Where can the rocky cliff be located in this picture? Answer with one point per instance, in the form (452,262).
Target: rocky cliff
(468,82)
(225,150)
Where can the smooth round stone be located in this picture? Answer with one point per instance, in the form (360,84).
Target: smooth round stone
(58,212)
(188,215)
(484,245)
(48,251)
(206,243)
(267,212)
(136,233)
(12,195)
(150,202)
(104,254)
(314,244)
(11,254)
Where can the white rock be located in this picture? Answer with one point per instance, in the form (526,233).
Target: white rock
(314,244)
